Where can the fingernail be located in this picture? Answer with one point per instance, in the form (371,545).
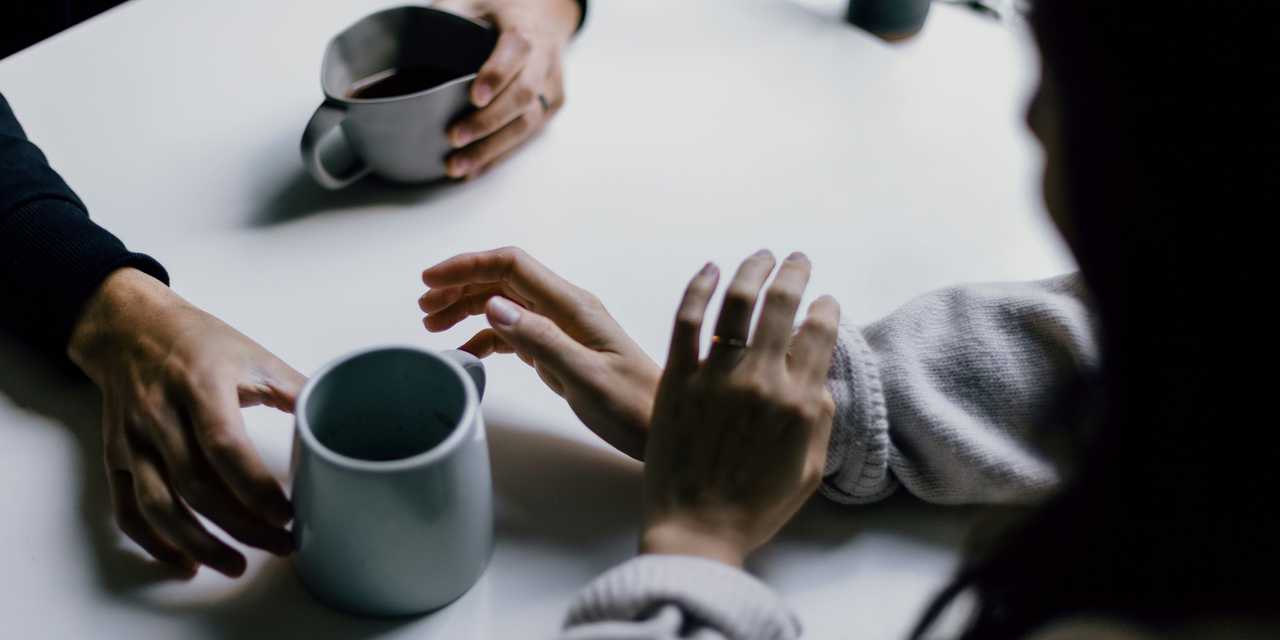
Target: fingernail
(482,95)
(461,136)
(503,311)
(709,268)
(763,253)
(797,256)
(458,167)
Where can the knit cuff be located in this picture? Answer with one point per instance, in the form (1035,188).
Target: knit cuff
(857,470)
(716,595)
(59,257)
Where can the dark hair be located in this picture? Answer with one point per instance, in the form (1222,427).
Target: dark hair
(1169,116)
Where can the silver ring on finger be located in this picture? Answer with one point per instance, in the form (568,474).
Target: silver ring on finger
(546,105)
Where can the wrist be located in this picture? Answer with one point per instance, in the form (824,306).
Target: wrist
(121,303)
(686,540)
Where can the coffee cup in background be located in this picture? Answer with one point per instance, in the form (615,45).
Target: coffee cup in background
(393,82)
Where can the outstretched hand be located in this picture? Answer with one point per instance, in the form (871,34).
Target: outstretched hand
(738,441)
(173,379)
(562,331)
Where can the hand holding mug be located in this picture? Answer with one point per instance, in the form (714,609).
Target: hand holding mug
(562,331)
(738,441)
(173,379)
(521,85)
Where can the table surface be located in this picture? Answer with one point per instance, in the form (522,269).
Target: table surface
(693,131)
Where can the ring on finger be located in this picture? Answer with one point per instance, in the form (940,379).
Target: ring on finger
(542,100)
(728,343)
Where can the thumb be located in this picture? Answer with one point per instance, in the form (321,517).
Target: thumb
(536,337)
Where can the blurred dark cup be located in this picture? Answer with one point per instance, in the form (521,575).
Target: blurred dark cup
(889,19)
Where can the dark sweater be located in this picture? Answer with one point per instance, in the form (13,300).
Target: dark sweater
(52,256)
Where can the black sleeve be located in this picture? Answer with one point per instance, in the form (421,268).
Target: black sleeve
(52,256)
(582,17)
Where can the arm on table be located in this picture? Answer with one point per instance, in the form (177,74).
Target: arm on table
(964,395)
(172,377)
(52,256)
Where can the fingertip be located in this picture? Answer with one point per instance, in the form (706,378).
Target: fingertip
(481,94)
(233,566)
(186,568)
(457,166)
(502,313)
(460,136)
(827,300)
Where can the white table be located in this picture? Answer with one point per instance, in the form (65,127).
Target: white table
(694,130)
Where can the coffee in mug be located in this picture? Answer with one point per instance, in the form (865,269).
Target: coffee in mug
(393,82)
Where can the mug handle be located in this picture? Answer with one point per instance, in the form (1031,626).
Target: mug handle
(471,364)
(325,124)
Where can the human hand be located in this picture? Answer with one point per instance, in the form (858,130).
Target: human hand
(521,85)
(562,331)
(173,379)
(738,442)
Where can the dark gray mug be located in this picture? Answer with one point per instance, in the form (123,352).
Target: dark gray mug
(893,19)
(398,137)
(392,494)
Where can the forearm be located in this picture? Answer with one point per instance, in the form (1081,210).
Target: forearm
(963,396)
(52,256)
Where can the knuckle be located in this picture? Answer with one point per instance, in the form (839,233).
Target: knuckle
(194,489)
(827,405)
(512,254)
(588,300)
(154,502)
(825,327)
(524,94)
(220,445)
(783,298)
(751,390)
(739,295)
(688,320)
(521,40)
(520,126)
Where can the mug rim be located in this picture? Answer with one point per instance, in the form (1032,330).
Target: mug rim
(465,424)
(408,7)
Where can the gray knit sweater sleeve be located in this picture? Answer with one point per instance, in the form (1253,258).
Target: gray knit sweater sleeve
(962,395)
(656,597)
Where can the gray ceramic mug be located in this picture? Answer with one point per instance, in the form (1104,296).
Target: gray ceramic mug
(392,494)
(399,137)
